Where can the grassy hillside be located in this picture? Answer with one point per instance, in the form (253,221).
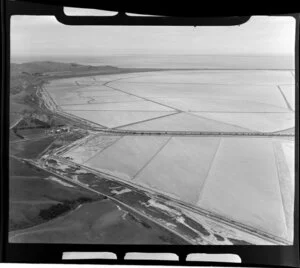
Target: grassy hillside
(32,73)
(27,77)
(44,67)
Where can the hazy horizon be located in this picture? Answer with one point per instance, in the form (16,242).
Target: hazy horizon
(36,35)
(259,43)
(174,61)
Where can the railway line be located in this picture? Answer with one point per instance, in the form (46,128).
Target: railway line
(51,105)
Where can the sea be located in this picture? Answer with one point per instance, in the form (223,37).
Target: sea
(236,62)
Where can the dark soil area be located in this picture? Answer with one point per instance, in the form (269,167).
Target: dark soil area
(61,208)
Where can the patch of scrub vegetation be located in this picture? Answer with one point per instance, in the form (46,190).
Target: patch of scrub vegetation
(238,242)
(219,238)
(143,223)
(52,162)
(197,226)
(61,208)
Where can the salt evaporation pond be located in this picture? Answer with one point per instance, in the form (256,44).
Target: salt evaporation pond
(239,178)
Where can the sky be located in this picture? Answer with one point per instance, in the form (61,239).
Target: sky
(45,36)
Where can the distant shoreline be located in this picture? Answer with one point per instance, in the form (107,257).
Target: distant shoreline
(144,69)
(199,62)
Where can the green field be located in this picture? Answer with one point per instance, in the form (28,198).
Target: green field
(35,197)
(97,223)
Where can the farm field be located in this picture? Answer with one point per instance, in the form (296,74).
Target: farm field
(35,196)
(112,226)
